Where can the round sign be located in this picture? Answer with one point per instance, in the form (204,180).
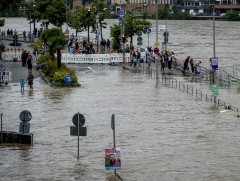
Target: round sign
(139,33)
(156,44)
(81,119)
(25,116)
(156,50)
(139,39)
(68,79)
(148,30)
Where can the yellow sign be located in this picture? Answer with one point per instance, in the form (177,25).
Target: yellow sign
(156,44)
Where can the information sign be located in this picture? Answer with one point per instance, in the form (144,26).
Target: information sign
(112,159)
(214,63)
(214,89)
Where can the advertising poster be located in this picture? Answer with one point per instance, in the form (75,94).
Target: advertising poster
(112,159)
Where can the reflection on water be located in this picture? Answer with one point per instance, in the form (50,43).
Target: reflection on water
(163,134)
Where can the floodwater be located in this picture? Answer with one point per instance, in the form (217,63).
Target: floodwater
(163,134)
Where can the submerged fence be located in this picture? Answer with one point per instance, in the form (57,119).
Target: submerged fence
(169,81)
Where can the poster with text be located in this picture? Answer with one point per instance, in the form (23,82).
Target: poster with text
(112,159)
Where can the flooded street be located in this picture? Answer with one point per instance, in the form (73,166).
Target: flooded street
(163,134)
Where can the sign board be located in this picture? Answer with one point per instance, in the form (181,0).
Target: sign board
(120,18)
(139,43)
(148,30)
(112,159)
(214,63)
(139,39)
(25,116)
(162,27)
(120,12)
(156,44)
(139,33)
(24,127)
(113,122)
(68,79)
(238,83)
(214,89)
(74,131)
(81,119)
(156,50)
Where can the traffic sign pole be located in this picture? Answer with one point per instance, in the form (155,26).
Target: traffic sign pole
(78,134)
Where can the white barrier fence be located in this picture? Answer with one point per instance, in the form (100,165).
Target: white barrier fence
(12,53)
(95,58)
(5,76)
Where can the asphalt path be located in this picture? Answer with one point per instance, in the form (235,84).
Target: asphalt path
(18,72)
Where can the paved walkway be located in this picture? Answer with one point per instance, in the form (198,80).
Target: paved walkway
(18,72)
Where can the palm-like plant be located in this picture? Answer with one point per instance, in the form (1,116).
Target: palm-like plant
(56,41)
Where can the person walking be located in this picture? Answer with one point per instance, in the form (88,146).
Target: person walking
(30,80)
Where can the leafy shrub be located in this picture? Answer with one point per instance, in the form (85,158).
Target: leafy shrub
(2,47)
(58,78)
(44,58)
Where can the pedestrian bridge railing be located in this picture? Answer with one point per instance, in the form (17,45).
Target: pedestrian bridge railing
(169,81)
(95,58)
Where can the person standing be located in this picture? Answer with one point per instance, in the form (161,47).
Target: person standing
(30,80)
(185,65)
(24,58)
(29,63)
(22,85)
(191,64)
(35,54)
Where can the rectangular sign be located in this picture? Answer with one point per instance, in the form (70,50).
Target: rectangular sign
(162,27)
(214,63)
(112,159)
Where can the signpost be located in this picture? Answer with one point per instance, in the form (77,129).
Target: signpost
(214,89)
(78,130)
(148,31)
(25,116)
(214,63)
(1,130)
(112,155)
(68,79)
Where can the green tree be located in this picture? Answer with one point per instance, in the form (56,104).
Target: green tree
(132,24)
(82,20)
(56,41)
(231,16)
(52,10)
(115,34)
(101,8)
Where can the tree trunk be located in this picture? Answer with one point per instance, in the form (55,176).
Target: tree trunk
(59,58)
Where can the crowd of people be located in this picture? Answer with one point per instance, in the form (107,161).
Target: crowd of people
(166,59)
(27,61)
(74,45)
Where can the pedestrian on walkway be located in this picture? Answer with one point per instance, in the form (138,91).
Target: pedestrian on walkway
(30,80)
(29,63)
(22,83)
(0,55)
(185,65)
(24,57)
(35,54)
